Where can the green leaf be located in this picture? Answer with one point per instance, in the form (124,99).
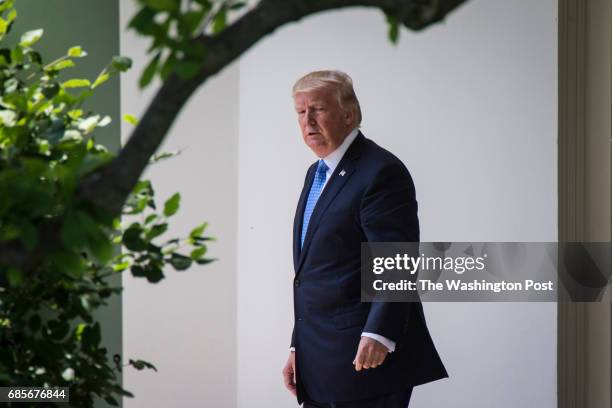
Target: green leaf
(163,5)
(121,63)
(138,271)
(149,72)
(141,364)
(75,114)
(35,57)
(171,206)
(44,147)
(78,331)
(3,27)
(77,52)
(192,20)
(17,55)
(180,262)
(144,187)
(90,337)
(5,5)
(143,22)
(198,253)
(77,83)
(58,66)
(163,155)
(168,66)
(121,391)
(50,90)
(5,55)
(121,266)
(198,231)
(393,28)
(102,78)
(156,231)
(132,238)
(30,37)
(220,21)
(131,119)
(12,15)
(135,205)
(154,273)
(151,218)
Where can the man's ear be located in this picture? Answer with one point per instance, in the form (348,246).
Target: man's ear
(349,116)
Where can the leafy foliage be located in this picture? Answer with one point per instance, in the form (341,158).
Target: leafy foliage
(176,27)
(48,333)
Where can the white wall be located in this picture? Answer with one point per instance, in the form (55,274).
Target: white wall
(186,324)
(471,107)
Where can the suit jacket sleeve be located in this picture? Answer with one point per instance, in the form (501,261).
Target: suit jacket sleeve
(292,345)
(388,213)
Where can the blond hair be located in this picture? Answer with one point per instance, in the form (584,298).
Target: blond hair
(337,81)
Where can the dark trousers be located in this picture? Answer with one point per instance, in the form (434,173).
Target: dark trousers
(396,400)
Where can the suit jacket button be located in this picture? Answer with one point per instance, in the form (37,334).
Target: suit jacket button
(296,283)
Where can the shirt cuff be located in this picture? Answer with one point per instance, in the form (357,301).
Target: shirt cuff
(390,344)
(291,348)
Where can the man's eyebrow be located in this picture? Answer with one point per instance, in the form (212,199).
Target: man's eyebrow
(314,102)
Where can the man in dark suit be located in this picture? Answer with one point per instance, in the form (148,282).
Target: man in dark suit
(345,353)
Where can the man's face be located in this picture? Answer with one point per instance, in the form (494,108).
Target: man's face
(324,124)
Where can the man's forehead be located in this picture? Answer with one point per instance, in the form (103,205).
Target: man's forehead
(313,96)
(311,100)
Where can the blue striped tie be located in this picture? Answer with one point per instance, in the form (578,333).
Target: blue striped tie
(313,196)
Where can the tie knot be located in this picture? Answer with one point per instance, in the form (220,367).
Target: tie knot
(322,167)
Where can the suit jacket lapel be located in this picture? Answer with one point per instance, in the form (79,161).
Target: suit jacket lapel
(337,180)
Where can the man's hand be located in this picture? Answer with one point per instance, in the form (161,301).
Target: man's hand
(289,373)
(370,354)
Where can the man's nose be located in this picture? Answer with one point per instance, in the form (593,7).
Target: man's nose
(310,116)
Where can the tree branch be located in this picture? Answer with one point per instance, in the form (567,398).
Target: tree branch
(109,187)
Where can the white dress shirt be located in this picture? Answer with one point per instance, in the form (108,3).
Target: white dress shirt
(332,160)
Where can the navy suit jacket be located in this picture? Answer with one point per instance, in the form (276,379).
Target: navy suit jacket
(374,200)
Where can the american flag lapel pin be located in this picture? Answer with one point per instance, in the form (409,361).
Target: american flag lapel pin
(342,173)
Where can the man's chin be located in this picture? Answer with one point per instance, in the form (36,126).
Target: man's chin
(318,147)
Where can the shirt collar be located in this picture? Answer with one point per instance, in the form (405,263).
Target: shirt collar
(333,159)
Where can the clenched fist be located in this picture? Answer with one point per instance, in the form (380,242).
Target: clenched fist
(370,354)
